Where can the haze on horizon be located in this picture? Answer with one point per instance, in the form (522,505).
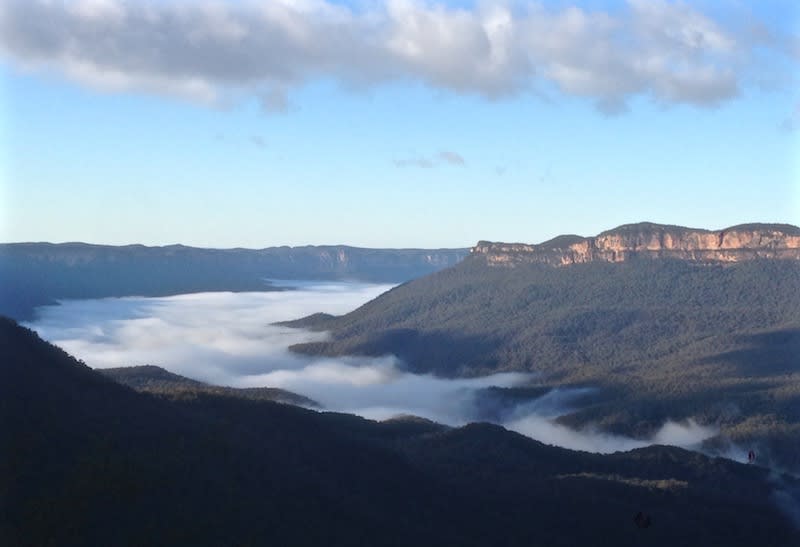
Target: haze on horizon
(404,123)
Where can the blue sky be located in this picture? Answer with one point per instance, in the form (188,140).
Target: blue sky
(393,124)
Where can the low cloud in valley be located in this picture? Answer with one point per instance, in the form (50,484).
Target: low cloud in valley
(229,339)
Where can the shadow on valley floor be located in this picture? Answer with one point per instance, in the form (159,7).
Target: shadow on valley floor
(443,352)
(772,352)
(91,462)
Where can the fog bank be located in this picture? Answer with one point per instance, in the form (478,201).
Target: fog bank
(229,339)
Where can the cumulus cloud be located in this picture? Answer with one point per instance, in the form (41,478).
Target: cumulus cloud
(211,51)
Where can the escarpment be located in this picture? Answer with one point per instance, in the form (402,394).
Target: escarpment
(652,241)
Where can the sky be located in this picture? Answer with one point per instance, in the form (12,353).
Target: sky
(404,123)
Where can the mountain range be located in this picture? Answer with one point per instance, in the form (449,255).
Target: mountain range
(660,322)
(652,322)
(35,274)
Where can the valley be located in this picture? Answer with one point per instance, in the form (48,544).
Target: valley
(93,462)
(661,339)
(432,382)
(399,273)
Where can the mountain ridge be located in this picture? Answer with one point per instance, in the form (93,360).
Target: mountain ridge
(158,381)
(661,339)
(36,274)
(654,241)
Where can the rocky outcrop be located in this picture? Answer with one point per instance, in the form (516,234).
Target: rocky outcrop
(652,241)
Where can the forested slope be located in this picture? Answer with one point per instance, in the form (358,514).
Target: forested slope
(86,461)
(662,339)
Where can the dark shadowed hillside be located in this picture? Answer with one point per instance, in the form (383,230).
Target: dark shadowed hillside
(86,461)
(664,338)
(157,381)
(33,274)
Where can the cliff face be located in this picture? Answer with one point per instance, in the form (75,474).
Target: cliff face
(653,241)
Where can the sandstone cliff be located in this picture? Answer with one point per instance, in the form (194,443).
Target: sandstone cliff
(648,240)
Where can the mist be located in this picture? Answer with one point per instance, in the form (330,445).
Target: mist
(687,434)
(229,339)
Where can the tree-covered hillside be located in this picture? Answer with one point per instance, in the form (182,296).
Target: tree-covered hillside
(158,381)
(663,339)
(88,462)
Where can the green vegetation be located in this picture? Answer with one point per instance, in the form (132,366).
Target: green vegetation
(160,382)
(663,339)
(87,461)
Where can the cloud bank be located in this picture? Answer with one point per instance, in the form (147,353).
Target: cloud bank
(212,51)
(228,339)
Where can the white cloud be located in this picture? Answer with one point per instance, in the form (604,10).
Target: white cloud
(210,51)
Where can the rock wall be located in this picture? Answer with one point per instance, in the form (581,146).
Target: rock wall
(653,241)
